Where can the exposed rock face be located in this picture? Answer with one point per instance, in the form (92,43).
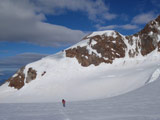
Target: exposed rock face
(31,75)
(147,39)
(149,36)
(18,80)
(133,41)
(106,47)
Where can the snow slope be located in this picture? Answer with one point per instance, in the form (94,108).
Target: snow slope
(66,78)
(141,104)
(104,64)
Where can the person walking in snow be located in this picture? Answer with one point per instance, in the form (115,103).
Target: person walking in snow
(63,102)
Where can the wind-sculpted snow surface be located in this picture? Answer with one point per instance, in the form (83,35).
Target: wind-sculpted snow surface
(104,64)
(154,76)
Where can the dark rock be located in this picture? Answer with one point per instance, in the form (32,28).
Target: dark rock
(43,73)
(107,46)
(31,75)
(18,80)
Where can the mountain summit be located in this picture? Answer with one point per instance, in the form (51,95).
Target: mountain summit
(106,46)
(102,64)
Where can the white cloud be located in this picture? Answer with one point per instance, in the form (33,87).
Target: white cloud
(20,21)
(23,20)
(107,27)
(144,18)
(109,16)
(19,60)
(126,27)
(94,9)
(129,27)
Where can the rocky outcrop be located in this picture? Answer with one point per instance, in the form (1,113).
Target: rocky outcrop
(83,56)
(31,75)
(18,79)
(107,47)
(149,36)
(103,49)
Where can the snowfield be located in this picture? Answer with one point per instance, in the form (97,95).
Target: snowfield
(141,104)
(66,78)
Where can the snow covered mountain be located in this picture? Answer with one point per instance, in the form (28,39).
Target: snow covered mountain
(106,46)
(103,64)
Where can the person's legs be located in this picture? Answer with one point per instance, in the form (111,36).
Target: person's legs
(63,105)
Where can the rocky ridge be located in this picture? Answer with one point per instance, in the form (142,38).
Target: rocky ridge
(106,46)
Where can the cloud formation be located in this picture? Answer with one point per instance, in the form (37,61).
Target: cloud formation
(19,60)
(126,27)
(93,9)
(144,18)
(20,22)
(23,20)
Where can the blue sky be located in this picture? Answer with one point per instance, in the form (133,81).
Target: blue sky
(45,27)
